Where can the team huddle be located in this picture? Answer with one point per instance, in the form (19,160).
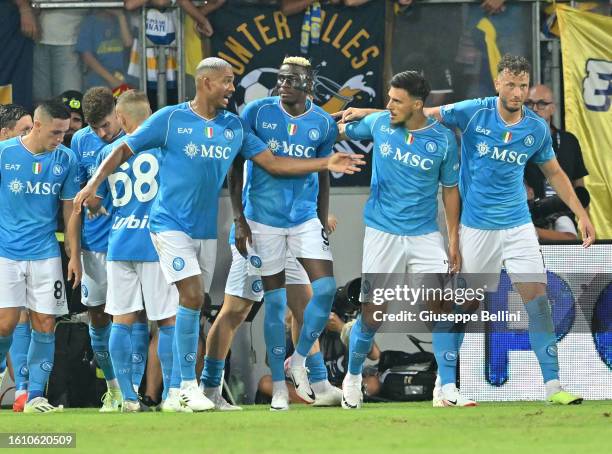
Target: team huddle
(139,195)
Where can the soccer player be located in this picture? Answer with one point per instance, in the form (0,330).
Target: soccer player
(499,135)
(198,141)
(36,173)
(285,217)
(242,289)
(412,156)
(135,279)
(99,111)
(16,121)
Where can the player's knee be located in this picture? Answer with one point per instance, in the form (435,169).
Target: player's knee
(99,318)
(191,298)
(43,323)
(325,286)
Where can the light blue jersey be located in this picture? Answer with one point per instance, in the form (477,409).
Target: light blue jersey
(31,186)
(287,201)
(407,168)
(133,187)
(196,154)
(86,145)
(493,158)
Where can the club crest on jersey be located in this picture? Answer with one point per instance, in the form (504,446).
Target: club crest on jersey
(507,137)
(431,147)
(529,140)
(36,168)
(292,129)
(228,134)
(409,138)
(314,134)
(57,170)
(208,132)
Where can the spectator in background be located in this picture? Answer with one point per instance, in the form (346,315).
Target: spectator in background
(73,100)
(14,121)
(565,144)
(18,28)
(289,7)
(558,227)
(56,63)
(103,43)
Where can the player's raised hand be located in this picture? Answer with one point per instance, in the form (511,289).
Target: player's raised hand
(345,163)
(85,197)
(351,114)
(95,210)
(587,231)
(242,236)
(74,272)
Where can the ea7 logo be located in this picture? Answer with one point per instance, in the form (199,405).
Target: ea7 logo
(12,166)
(482,130)
(597,85)
(184,130)
(267,125)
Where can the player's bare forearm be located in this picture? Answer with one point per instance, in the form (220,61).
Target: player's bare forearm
(433,112)
(452,209)
(117,157)
(560,182)
(323,198)
(289,166)
(72,235)
(337,162)
(235,183)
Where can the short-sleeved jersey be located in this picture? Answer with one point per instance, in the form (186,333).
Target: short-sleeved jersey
(133,187)
(407,168)
(493,159)
(196,154)
(286,201)
(31,186)
(86,145)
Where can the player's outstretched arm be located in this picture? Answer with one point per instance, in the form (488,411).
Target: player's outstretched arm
(72,239)
(87,195)
(563,186)
(337,162)
(452,207)
(353,114)
(433,112)
(242,231)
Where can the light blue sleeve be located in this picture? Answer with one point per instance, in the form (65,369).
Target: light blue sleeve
(153,133)
(449,170)
(459,114)
(103,189)
(545,152)
(362,129)
(72,183)
(75,146)
(326,147)
(251,144)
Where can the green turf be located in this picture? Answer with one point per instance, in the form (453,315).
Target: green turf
(416,428)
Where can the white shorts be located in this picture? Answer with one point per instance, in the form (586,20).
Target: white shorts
(307,240)
(93,284)
(387,253)
(180,256)
(133,286)
(245,284)
(516,249)
(37,285)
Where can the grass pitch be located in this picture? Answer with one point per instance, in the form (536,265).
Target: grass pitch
(377,428)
